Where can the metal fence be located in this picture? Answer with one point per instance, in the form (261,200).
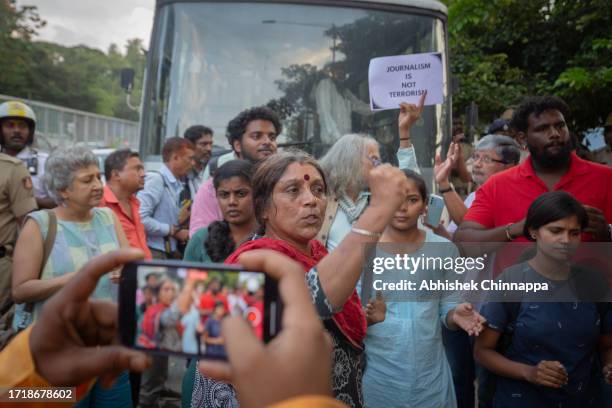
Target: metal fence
(57,126)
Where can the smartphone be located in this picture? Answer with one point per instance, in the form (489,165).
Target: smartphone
(435,206)
(176,307)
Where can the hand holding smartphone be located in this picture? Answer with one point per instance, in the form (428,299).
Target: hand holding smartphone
(297,363)
(435,206)
(181,313)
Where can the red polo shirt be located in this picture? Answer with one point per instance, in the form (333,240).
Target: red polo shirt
(506,196)
(133,228)
(208,300)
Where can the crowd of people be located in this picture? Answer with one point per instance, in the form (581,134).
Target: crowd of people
(522,182)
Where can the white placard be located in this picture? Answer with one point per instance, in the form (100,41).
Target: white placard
(404,78)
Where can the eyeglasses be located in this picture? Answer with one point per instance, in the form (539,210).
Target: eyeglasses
(486,159)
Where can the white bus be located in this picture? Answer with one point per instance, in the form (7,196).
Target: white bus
(308,60)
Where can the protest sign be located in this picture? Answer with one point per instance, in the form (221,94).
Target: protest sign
(404,78)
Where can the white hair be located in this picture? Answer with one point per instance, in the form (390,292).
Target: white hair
(61,166)
(343,163)
(506,147)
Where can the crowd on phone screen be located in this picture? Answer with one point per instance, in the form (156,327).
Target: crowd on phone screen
(526,180)
(194,310)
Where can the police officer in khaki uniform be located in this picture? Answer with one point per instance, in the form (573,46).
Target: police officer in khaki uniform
(16,200)
(17,128)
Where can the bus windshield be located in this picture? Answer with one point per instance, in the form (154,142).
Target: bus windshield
(309,63)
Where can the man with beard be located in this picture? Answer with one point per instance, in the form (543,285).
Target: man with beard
(499,210)
(202,138)
(17,127)
(252,135)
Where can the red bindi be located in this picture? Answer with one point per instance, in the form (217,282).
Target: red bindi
(306,177)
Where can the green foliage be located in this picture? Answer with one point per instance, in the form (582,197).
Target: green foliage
(77,77)
(501,50)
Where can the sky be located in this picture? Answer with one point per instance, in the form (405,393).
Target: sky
(94,23)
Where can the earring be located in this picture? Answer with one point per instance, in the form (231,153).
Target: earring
(533,237)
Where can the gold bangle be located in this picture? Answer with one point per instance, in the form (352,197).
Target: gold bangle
(366,233)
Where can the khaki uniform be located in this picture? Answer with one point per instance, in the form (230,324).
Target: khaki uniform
(16,200)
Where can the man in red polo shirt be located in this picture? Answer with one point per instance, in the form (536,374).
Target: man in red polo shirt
(499,210)
(212,295)
(125,176)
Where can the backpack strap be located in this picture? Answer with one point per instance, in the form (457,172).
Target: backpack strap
(177,200)
(169,190)
(163,179)
(49,239)
(47,247)
(330,213)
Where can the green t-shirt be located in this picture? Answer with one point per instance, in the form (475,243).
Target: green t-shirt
(195,251)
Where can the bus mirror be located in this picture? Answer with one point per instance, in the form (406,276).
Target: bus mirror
(127,79)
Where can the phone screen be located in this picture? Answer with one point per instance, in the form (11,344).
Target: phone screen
(175,308)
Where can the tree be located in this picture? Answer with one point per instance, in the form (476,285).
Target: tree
(77,77)
(17,27)
(502,50)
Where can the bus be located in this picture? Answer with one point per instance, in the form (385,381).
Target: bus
(307,60)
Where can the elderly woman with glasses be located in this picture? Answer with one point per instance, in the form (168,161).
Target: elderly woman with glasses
(83,231)
(492,154)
